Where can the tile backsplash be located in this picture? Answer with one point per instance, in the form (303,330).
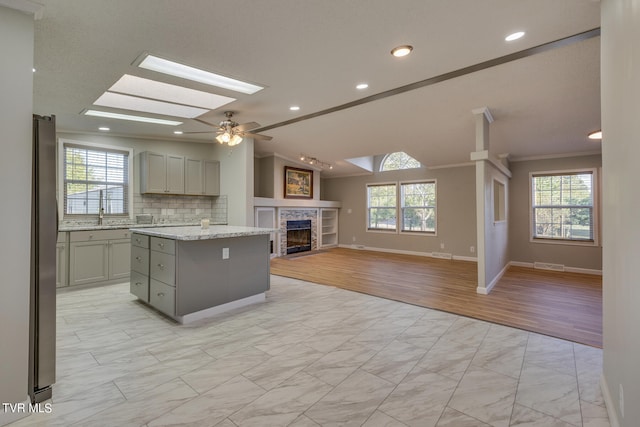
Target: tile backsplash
(181,208)
(168,209)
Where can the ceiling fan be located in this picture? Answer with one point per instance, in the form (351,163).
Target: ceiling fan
(230,132)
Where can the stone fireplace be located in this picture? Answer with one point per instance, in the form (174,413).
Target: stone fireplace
(306,222)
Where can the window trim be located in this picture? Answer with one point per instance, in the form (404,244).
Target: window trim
(596,207)
(380,230)
(400,207)
(505,205)
(60,181)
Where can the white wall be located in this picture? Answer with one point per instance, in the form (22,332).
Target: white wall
(620,62)
(496,233)
(236,181)
(16,87)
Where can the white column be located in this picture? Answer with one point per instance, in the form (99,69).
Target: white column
(483,120)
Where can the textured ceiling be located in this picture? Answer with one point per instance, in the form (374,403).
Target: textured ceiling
(312,53)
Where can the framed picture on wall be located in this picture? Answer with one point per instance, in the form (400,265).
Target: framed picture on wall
(298,183)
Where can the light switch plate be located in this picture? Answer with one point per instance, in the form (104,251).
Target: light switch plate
(225,253)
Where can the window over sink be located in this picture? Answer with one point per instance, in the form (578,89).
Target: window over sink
(95,178)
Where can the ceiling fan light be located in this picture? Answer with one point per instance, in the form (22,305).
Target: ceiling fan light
(223,138)
(235,140)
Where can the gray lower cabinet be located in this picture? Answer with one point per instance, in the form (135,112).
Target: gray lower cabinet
(119,259)
(139,281)
(188,276)
(99,256)
(139,285)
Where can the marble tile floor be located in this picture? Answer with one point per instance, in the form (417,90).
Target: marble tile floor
(311,355)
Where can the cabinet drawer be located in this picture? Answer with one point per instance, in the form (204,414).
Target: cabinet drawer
(162,267)
(167,246)
(162,297)
(140,240)
(140,260)
(89,235)
(139,286)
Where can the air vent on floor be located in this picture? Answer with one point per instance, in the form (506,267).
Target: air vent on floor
(442,255)
(548,266)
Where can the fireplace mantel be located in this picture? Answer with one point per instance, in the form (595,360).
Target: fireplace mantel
(294,203)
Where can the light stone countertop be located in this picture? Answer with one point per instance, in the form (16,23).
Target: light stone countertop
(89,227)
(199,233)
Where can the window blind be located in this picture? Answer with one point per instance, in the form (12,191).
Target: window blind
(95,178)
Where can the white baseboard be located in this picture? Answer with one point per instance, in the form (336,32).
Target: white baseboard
(521,264)
(583,271)
(486,290)
(465,258)
(567,269)
(403,252)
(608,401)
(208,312)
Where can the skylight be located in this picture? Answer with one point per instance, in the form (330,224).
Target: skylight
(127,102)
(145,88)
(176,69)
(119,116)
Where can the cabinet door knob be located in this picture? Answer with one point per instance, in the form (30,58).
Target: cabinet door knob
(138,283)
(160,294)
(161,266)
(139,259)
(137,240)
(161,245)
(91,236)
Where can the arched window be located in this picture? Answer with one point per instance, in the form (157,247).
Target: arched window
(397,161)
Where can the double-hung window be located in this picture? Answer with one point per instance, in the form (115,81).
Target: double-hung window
(418,206)
(382,203)
(95,178)
(563,206)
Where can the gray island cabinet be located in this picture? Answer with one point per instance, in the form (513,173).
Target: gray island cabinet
(190,273)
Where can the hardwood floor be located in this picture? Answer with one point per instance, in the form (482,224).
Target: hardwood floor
(563,305)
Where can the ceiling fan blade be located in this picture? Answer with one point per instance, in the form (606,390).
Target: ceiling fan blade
(258,136)
(247,126)
(206,123)
(193,133)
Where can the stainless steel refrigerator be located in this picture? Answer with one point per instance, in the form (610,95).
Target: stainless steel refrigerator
(44,233)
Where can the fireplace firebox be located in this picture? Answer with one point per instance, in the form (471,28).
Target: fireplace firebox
(298,236)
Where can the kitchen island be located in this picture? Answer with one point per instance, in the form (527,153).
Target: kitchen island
(189,273)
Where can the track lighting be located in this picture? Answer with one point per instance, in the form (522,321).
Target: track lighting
(313,161)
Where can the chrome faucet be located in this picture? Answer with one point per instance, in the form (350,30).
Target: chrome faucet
(100,210)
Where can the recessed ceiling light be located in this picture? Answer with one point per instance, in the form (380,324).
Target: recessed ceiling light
(33,69)
(178,132)
(176,69)
(514,36)
(362,86)
(104,128)
(294,108)
(146,88)
(401,51)
(107,114)
(596,135)
(127,102)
